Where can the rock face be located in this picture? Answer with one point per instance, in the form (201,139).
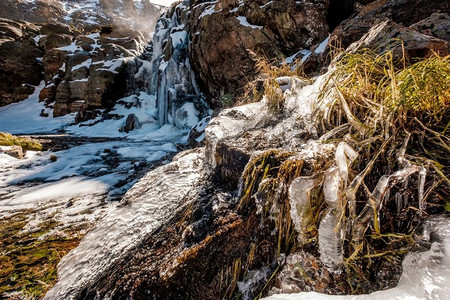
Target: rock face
(82,72)
(403,12)
(427,17)
(20,68)
(93,71)
(387,36)
(274,29)
(86,14)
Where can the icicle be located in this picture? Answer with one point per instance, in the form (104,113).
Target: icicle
(401,154)
(330,241)
(299,200)
(422,179)
(374,204)
(331,186)
(388,181)
(162,101)
(344,151)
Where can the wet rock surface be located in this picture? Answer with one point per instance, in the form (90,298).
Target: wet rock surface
(178,181)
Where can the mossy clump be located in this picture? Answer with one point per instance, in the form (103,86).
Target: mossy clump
(7,139)
(29,260)
(373,91)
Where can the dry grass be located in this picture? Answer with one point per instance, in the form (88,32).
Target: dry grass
(265,83)
(396,114)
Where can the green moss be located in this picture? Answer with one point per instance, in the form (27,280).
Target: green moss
(7,139)
(29,260)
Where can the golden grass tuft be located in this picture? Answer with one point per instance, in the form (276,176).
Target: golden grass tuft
(396,114)
(423,87)
(265,83)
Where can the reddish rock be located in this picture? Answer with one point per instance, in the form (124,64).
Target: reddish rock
(48,93)
(52,62)
(222,40)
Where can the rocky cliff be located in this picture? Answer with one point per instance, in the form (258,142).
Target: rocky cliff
(86,52)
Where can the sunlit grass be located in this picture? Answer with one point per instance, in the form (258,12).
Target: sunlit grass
(7,139)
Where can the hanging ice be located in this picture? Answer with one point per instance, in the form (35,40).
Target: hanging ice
(299,200)
(330,241)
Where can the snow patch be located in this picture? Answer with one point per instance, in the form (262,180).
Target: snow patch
(243,21)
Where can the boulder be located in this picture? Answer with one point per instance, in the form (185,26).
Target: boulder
(403,12)
(231,139)
(437,25)
(14,151)
(75,59)
(53,62)
(388,34)
(55,41)
(102,88)
(80,73)
(131,123)
(62,100)
(78,89)
(57,28)
(86,43)
(48,93)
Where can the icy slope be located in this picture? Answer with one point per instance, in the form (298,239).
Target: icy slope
(150,203)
